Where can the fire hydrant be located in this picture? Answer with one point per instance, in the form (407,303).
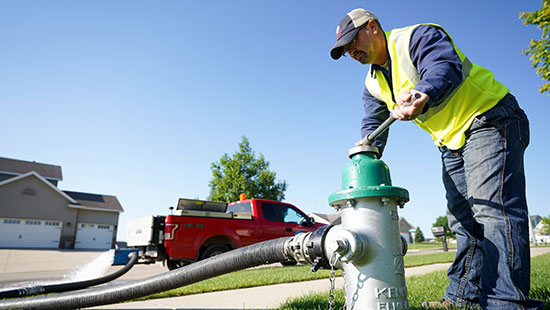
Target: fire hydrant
(374,273)
(367,244)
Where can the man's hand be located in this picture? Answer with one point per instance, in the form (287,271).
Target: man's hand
(410,112)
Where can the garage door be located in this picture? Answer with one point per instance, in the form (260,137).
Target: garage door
(29,233)
(94,236)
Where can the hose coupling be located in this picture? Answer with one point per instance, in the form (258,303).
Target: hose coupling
(308,248)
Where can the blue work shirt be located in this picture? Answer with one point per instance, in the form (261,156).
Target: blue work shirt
(440,69)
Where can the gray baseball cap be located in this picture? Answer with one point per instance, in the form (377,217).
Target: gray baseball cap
(348,28)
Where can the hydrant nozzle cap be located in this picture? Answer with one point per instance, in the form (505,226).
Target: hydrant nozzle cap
(363,149)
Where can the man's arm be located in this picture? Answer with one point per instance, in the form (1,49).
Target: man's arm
(376,112)
(440,70)
(436,60)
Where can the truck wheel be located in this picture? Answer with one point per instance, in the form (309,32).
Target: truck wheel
(289,263)
(174,264)
(213,250)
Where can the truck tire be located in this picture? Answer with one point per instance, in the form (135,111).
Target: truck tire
(289,263)
(213,250)
(174,264)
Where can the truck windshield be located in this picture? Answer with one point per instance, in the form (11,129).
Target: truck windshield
(245,207)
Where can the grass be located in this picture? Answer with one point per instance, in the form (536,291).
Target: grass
(247,278)
(432,286)
(428,259)
(276,275)
(430,245)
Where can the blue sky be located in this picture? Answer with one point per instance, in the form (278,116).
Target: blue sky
(137,98)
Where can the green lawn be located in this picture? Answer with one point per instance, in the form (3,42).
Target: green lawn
(421,288)
(247,278)
(432,286)
(276,275)
(430,245)
(428,259)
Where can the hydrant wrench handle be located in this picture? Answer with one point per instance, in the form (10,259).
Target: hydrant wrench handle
(368,140)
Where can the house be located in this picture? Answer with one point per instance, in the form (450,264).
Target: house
(540,235)
(405,229)
(324,218)
(536,228)
(35,213)
(404,225)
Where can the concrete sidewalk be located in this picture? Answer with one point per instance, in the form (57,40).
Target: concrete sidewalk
(263,297)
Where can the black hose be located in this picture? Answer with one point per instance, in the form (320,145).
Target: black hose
(71,286)
(266,252)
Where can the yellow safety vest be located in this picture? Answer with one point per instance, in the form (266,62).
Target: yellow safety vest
(446,123)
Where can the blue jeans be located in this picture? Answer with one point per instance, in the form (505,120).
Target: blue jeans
(487,209)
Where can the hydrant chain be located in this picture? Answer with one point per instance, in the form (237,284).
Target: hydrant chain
(332,278)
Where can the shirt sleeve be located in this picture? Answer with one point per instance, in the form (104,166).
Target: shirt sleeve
(376,112)
(437,62)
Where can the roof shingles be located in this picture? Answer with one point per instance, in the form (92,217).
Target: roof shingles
(105,202)
(15,166)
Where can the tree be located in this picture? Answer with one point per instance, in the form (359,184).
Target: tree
(546,226)
(418,235)
(539,50)
(443,221)
(244,173)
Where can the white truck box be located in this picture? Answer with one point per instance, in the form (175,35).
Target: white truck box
(140,231)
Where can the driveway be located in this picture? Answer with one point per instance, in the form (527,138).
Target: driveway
(21,266)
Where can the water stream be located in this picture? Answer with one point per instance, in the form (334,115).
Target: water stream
(94,268)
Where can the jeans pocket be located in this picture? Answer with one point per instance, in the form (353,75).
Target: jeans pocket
(494,118)
(523,127)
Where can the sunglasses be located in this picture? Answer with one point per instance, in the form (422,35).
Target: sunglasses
(346,48)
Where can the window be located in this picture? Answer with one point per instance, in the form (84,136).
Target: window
(104,226)
(293,216)
(48,223)
(281,213)
(10,221)
(272,212)
(240,207)
(33,222)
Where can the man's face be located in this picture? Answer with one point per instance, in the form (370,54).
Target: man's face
(365,47)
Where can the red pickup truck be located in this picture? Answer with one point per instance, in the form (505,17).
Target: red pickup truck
(202,229)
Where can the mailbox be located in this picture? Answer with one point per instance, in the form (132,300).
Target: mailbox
(439,231)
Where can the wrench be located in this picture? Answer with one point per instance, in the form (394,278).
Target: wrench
(369,139)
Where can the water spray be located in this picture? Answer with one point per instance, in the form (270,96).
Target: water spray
(69,286)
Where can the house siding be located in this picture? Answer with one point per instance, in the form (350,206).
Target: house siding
(30,198)
(89,216)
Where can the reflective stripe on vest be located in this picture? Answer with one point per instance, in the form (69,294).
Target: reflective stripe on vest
(447,122)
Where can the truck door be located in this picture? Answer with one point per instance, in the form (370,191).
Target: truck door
(280,220)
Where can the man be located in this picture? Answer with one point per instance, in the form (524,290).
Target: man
(482,134)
